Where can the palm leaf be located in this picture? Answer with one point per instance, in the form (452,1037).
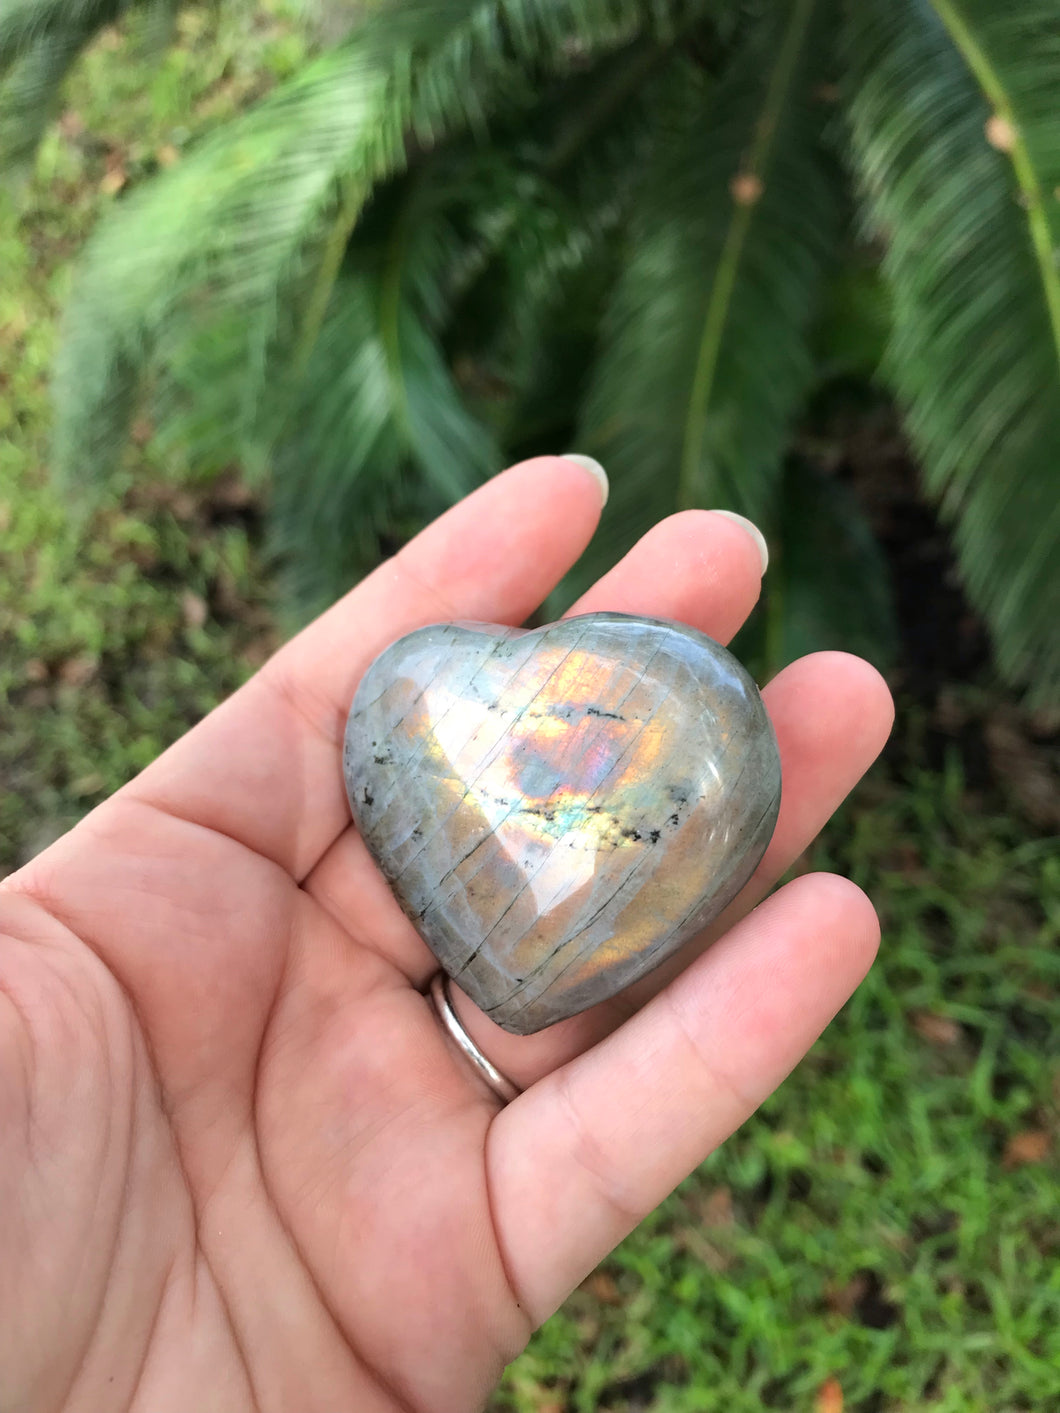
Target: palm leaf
(236,249)
(382,440)
(461,263)
(829,584)
(706,354)
(954,131)
(543,257)
(380,430)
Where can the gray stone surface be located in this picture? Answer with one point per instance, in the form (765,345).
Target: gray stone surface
(559,810)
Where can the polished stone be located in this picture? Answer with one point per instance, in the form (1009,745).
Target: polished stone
(558,810)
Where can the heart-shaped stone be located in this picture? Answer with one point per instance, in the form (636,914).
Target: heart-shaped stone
(558,810)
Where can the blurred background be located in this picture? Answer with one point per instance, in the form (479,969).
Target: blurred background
(279,281)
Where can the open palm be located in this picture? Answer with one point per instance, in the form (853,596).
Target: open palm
(241,1165)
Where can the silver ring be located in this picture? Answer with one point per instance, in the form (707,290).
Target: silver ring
(501,1085)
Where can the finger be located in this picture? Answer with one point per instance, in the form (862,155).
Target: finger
(828,738)
(828,735)
(832,714)
(697,567)
(264,768)
(578,1160)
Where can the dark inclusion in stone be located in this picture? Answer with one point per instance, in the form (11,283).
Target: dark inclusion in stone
(559,810)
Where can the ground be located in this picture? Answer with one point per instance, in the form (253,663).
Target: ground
(885,1234)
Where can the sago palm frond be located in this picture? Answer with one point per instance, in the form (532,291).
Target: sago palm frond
(247,235)
(953,113)
(346,478)
(567,180)
(380,430)
(455,266)
(706,352)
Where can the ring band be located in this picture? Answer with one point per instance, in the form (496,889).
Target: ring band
(501,1085)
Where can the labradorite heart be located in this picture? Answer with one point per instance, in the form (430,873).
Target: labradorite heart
(559,810)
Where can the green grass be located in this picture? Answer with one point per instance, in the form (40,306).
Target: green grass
(124,625)
(889,1221)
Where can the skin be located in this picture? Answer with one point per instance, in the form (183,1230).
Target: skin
(241,1165)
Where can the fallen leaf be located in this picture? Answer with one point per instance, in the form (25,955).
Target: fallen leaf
(145,557)
(226,595)
(88,785)
(194,608)
(76,671)
(113,181)
(717,1209)
(231,492)
(844,1299)
(938,1030)
(1000,133)
(258,652)
(602,1285)
(829,1397)
(588,1329)
(71,124)
(1030,1146)
(15,326)
(184,506)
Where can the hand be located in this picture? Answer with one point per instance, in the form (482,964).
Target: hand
(241,1165)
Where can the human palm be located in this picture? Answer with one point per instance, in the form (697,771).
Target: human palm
(242,1167)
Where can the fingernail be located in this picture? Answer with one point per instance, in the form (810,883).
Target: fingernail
(753,530)
(594,469)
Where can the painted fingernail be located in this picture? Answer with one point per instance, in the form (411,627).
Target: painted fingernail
(753,530)
(594,469)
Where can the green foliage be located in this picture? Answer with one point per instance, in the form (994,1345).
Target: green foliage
(467,232)
(972,245)
(871,1224)
(712,312)
(381,405)
(122,628)
(829,585)
(236,250)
